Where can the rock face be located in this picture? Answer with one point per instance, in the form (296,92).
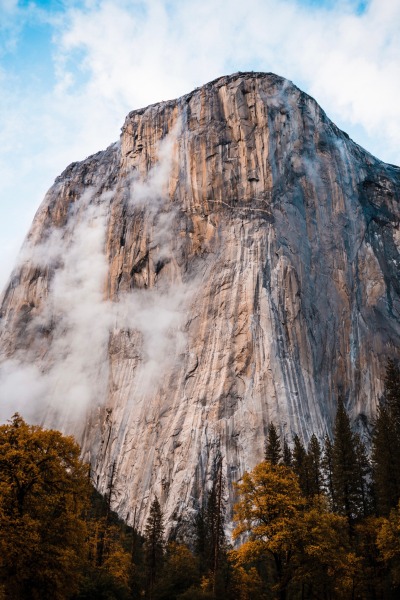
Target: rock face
(234,260)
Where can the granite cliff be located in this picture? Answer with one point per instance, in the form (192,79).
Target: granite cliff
(233,260)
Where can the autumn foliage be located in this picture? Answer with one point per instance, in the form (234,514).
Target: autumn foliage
(44,492)
(320,521)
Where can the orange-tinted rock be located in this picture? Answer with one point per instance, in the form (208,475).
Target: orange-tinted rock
(237,262)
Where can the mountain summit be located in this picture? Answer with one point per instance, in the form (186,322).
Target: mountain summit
(232,261)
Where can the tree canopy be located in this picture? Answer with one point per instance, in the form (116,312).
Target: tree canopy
(44,492)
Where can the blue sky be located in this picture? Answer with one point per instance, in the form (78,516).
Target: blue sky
(71,71)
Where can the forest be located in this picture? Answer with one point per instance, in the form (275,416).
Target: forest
(321,521)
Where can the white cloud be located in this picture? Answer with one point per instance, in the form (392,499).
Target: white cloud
(113,56)
(72,373)
(350,61)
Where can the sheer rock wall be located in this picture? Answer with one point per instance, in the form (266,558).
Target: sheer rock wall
(245,270)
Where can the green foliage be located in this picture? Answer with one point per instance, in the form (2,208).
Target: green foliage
(363,475)
(385,462)
(153,546)
(392,392)
(314,467)
(325,564)
(301,466)
(327,472)
(246,582)
(386,444)
(210,541)
(287,456)
(273,450)
(102,586)
(179,573)
(346,483)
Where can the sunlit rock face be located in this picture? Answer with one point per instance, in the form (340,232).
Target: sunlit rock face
(232,261)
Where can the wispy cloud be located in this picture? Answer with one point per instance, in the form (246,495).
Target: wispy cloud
(68,370)
(349,60)
(112,56)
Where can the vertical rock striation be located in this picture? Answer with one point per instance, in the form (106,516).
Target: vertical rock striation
(234,260)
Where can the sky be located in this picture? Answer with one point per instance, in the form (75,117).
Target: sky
(70,71)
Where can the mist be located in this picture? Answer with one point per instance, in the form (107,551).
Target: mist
(71,375)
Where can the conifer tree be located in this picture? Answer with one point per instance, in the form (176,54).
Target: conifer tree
(327,472)
(210,541)
(364,476)
(301,466)
(216,520)
(386,444)
(344,461)
(273,450)
(385,462)
(314,466)
(392,392)
(153,545)
(287,457)
(101,550)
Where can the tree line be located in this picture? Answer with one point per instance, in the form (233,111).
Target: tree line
(318,521)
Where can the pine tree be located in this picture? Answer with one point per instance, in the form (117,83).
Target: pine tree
(273,450)
(392,392)
(327,472)
(287,458)
(301,466)
(364,475)
(216,519)
(210,541)
(385,462)
(153,545)
(101,550)
(386,444)
(201,538)
(344,462)
(314,466)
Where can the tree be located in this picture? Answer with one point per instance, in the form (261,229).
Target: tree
(301,466)
(348,501)
(117,575)
(314,466)
(179,572)
(327,472)
(273,451)
(363,476)
(392,392)
(388,542)
(324,564)
(307,545)
(104,521)
(287,457)
(44,493)
(386,444)
(210,541)
(245,583)
(153,545)
(372,579)
(267,512)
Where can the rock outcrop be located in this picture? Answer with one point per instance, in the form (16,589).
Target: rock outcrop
(233,260)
